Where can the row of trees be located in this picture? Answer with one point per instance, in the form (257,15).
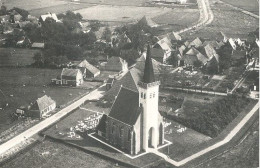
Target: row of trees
(213,119)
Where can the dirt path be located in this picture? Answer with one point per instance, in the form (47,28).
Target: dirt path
(206,16)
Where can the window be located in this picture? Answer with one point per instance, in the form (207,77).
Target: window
(154,94)
(129,135)
(113,128)
(151,95)
(121,132)
(142,95)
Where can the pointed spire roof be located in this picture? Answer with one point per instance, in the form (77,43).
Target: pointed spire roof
(148,68)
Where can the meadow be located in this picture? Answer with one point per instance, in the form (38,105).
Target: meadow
(16,56)
(249,5)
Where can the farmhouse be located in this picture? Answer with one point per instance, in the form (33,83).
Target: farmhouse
(40,108)
(38,45)
(88,70)
(116,64)
(134,123)
(69,77)
(48,15)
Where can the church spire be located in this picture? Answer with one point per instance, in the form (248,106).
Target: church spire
(148,68)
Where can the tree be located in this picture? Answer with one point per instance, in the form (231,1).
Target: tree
(38,59)
(197,63)
(173,59)
(224,53)
(107,35)
(95,26)
(3,10)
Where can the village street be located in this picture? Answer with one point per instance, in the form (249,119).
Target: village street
(206,16)
(96,94)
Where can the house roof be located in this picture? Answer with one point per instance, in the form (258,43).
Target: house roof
(70,72)
(88,66)
(102,123)
(165,44)
(44,102)
(126,106)
(157,53)
(148,21)
(129,80)
(190,59)
(171,36)
(213,43)
(148,68)
(38,45)
(182,49)
(49,15)
(110,80)
(140,62)
(115,61)
(197,42)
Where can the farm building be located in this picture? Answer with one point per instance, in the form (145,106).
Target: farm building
(48,15)
(38,45)
(88,70)
(69,77)
(40,108)
(115,64)
(134,123)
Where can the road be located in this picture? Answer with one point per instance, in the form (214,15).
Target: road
(96,94)
(229,137)
(206,16)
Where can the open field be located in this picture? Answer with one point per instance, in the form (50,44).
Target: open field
(49,154)
(244,155)
(249,5)
(62,8)
(120,13)
(16,56)
(114,2)
(21,86)
(178,18)
(231,22)
(32,4)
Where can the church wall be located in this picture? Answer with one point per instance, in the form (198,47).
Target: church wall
(117,134)
(138,133)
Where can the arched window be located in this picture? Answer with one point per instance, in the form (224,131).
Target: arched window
(113,128)
(129,135)
(121,132)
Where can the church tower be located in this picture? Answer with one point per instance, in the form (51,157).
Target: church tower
(152,124)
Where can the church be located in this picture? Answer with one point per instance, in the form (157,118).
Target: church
(134,123)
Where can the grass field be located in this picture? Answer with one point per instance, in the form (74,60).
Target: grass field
(114,2)
(16,56)
(231,22)
(49,154)
(178,18)
(120,13)
(21,86)
(32,4)
(249,5)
